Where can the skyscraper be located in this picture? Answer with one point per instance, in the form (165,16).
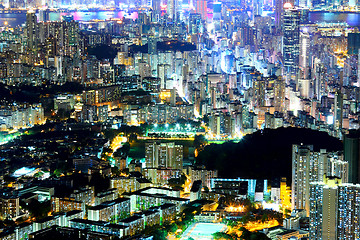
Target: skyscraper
(156,9)
(172,6)
(309,166)
(279,94)
(334,210)
(217,10)
(291,30)
(323,208)
(201,8)
(279,9)
(352,155)
(353,43)
(302,174)
(338,110)
(31,29)
(259,92)
(304,52)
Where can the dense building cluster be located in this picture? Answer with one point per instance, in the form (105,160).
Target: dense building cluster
(106,106)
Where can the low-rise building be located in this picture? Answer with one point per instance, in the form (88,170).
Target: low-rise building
(128,184)
(161,176)
(106,196)
(9,206)
(195,191)
(154,196)
(44,223)
(69,233)
(85,195)
(167,212)
(209,216)
(101,226)
(135,223)
(151,217)
(66,204)
(111,211)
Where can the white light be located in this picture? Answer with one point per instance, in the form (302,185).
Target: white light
(23,171)
(330,119)
(288,5)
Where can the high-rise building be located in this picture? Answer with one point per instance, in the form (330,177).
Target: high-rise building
(323,201)
(279,9)
(31,29)
(338,110)
(291,30)
(202,174)
(304,52)
(155,4)
(217,10)
(156,10)
(259,92)
(352,155)
(279,94)
(257,8)
(310,166)
(163,155)
(353,43)
(201,8)
(172,6)
(44,15)
(334,210)
(302,3)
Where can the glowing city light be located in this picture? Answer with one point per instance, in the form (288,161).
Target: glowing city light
(288,5)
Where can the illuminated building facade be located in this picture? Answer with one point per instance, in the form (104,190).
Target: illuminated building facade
(172,7)
(66,204)
(338,110)
(31,29)
(163,155)
(304,52)
(111,211)
(310,166)
(291,31)
(127,184)
(161,176)
(202,174)
(85,195)
(279,94)
(334,209)
(259,92)
(279,9)
(21,116)
(9,207)
(135,223)
(201,7)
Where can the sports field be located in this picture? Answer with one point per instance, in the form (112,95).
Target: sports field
(203,231)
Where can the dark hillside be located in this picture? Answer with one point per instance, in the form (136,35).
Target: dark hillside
(264,154)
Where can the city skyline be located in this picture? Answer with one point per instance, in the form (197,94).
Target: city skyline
(180,119)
